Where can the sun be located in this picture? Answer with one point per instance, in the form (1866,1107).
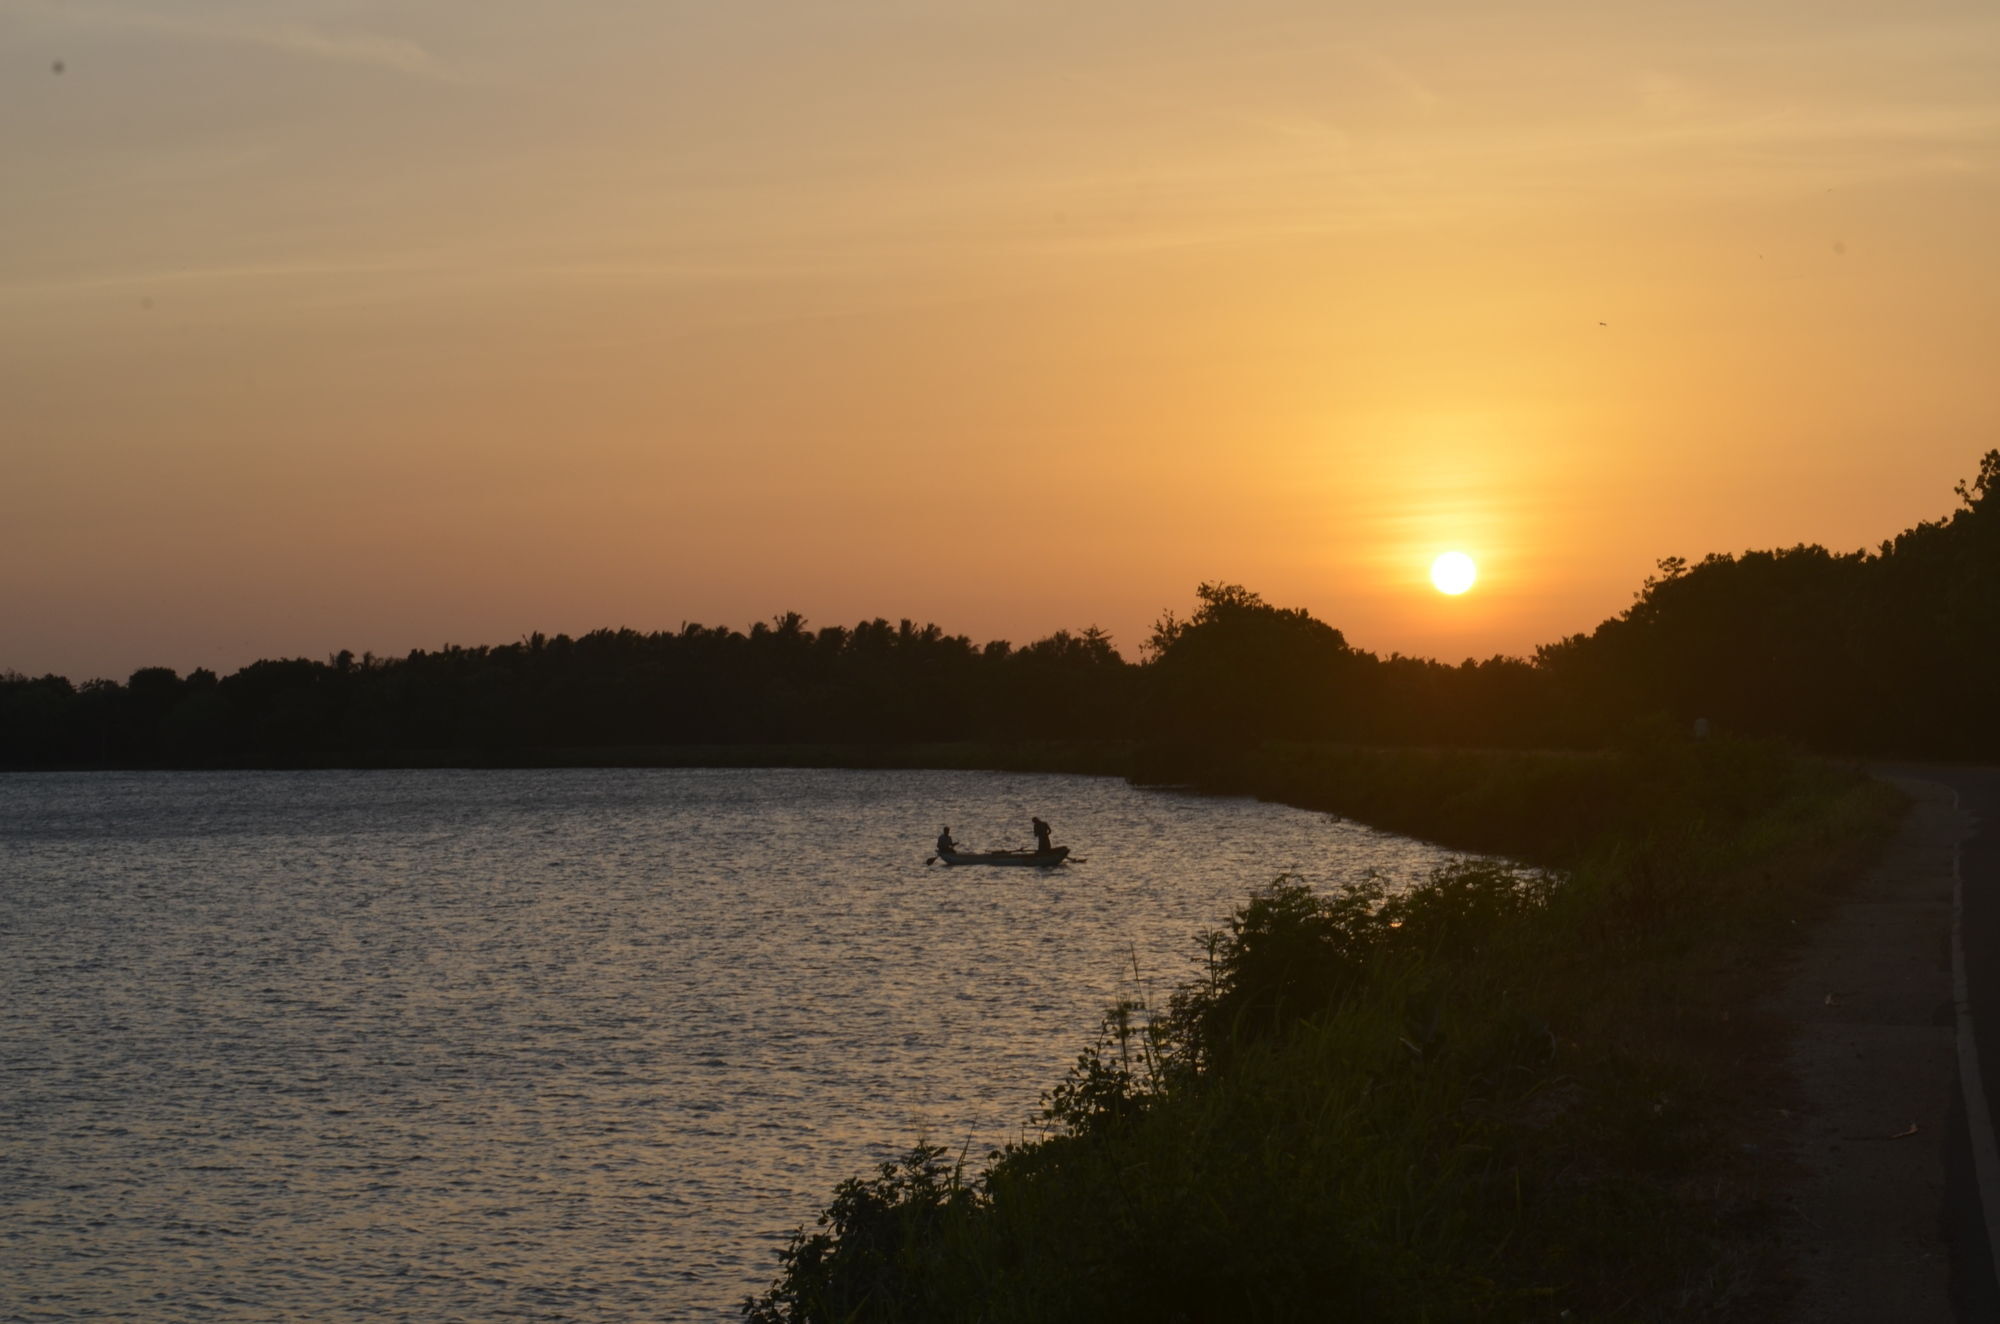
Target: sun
(1453,573)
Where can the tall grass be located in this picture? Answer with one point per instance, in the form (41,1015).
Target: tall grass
(1502,1095)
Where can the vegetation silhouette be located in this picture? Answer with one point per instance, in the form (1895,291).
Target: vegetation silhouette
(1882,652)
(1502,1094)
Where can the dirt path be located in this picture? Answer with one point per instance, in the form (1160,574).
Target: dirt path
(1875,1056)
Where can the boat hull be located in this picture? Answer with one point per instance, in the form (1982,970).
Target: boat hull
(1043,859)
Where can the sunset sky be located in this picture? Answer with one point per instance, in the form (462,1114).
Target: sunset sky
(339,324)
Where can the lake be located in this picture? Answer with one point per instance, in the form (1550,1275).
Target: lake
(552,1044)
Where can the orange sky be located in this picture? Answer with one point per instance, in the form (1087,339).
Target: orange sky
(363,325)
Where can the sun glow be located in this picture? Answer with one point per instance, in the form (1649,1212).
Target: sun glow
(1453,573)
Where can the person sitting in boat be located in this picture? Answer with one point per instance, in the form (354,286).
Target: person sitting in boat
(1042,836)
(946,846)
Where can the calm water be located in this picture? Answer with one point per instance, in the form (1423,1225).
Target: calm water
(553,1044)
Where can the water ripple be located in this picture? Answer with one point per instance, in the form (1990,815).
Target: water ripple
(545,1045)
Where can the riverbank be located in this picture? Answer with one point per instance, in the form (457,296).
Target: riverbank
(1538,806)
(1497,1097)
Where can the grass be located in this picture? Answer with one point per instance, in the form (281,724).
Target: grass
(1503,1096)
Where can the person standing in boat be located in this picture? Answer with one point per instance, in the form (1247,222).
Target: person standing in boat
(1041,836)
(946,846)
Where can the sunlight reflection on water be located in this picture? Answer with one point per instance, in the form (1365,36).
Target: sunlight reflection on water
(546,1044)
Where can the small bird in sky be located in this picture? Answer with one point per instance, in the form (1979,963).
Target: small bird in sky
(1604,324)
(57,67)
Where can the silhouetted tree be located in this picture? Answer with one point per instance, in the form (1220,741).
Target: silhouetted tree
(1241,669)
(1890,651)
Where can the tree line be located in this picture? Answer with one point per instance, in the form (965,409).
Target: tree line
(1884,652)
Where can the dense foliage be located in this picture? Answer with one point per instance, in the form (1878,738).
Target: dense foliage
(1503,1095)
(610,691)
(1888,651)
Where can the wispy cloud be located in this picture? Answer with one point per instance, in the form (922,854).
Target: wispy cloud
(371,50)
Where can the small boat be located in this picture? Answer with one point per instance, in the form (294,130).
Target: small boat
(1039,859)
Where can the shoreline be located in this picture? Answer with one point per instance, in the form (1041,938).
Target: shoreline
(1597,1061)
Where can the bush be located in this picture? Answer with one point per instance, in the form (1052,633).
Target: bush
(1499,1095)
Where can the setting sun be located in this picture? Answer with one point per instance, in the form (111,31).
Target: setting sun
(1453,573)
